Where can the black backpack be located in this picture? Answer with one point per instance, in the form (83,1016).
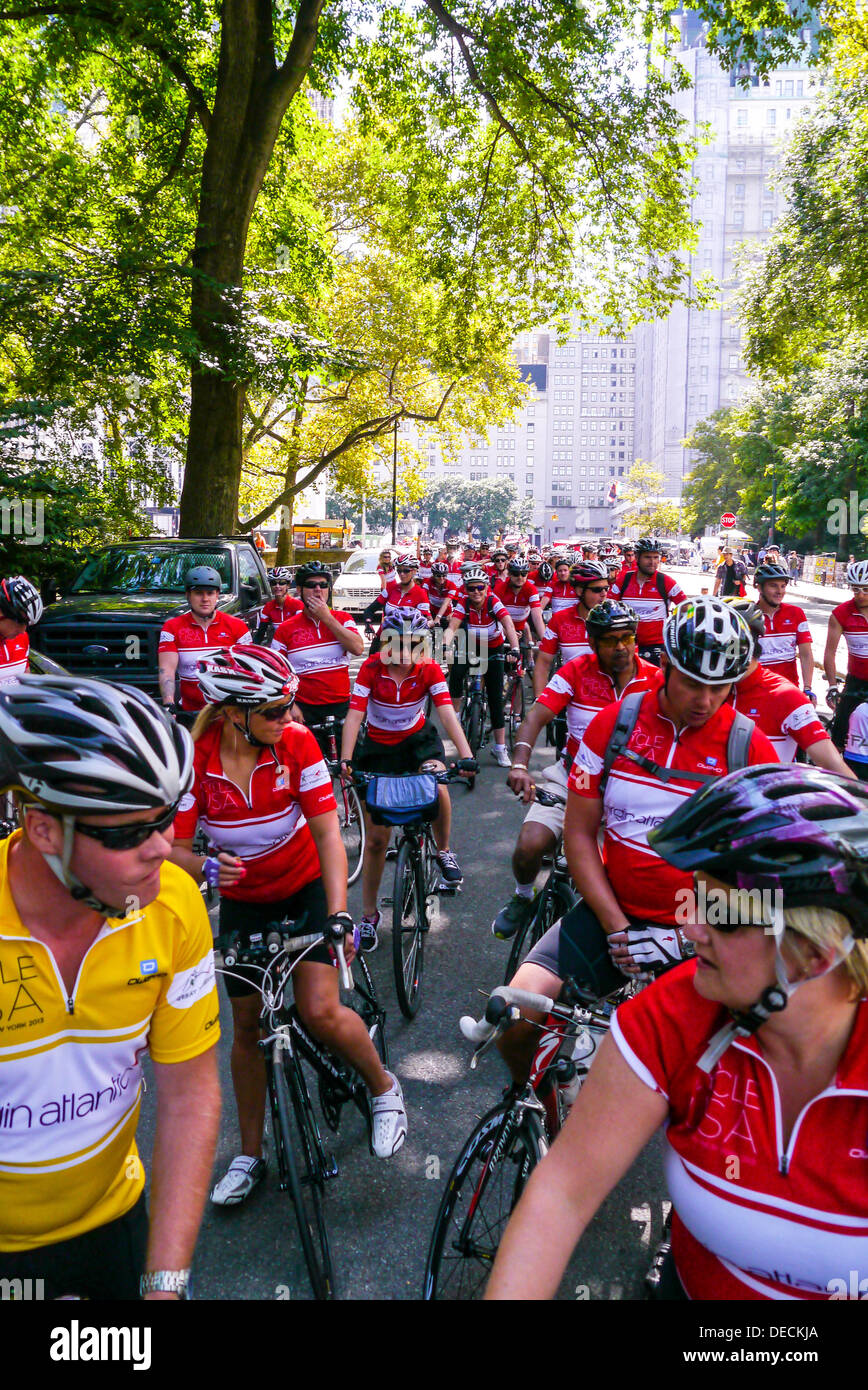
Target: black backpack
(737,746)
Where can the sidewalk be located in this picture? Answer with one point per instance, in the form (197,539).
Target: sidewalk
(817,593)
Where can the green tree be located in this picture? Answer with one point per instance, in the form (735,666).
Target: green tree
(141,139)
(647,508)
(715,483)
(491,506)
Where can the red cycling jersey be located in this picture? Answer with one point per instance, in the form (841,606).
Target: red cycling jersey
(558,595)
(267,825)
(518,604)
(583,689)
(483,622)
(277,613)
(757,1213)
(396,709)
(437,597)
(786,630)
(13,657)
(646,600)
(193,643)
(855,626)
(785,715)
(393,596)
(635,801)
(565,632)
(317,658)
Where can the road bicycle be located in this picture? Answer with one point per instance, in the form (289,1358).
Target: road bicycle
(413,804)
(494,1166)
(474,711)
(350,815)
(555,898)
(303,1165)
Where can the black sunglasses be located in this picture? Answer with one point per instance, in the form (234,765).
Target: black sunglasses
(128,836)
(275,712)
(316,584)
(476,588)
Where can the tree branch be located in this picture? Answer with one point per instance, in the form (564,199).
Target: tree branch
(175,166)
(293,70)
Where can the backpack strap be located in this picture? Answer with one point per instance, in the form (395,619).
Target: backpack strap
(737,747)
(661,589)
(628,713)
(739,741)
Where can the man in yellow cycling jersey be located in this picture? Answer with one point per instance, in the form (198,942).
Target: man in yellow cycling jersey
(105,953)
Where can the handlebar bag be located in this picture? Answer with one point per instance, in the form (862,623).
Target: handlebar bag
(402,800)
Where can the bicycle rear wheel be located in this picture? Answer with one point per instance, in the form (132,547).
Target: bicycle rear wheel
(556,898)
(352,823)
(514,712)
(409,925)
(296,1142)
(473,726)
(483,1188)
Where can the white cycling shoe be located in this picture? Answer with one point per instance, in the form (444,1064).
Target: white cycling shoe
(500,755)
(243,1175)
(389,1120)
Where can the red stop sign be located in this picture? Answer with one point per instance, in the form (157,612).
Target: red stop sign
(728,519)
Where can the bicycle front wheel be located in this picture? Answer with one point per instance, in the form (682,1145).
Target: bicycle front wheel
(474,724)
(299,1173)
(556,898)
(352,823)
(489,1176)
(514,712)
(409,925)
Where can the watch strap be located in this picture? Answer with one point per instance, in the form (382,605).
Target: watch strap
(165,1281)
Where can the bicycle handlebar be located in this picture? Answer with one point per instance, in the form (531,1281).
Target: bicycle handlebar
(263,948)
(451,774)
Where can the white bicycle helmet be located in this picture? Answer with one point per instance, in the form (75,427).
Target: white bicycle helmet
(857,572)
(20,601)
(707,639)
(408,561)
(246,675)
(474,574)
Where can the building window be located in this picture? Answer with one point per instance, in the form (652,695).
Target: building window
(771,116)
(739,190)
(767,218)
(741,117)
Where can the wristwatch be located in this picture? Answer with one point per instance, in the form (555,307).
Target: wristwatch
(165,1281)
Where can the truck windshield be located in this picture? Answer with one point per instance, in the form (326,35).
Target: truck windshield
(147,569)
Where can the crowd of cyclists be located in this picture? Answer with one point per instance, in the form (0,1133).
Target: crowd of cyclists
(688,751)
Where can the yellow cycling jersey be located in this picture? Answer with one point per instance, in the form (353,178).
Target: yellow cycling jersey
(70,1068)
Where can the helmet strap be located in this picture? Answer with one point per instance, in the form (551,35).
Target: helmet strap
(59,865)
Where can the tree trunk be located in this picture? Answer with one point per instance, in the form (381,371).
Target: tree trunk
(285,547)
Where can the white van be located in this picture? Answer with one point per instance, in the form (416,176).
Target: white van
(358,582)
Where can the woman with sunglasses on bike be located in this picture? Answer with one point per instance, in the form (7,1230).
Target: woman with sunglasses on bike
(753,1056)
(485,624)
(263,796)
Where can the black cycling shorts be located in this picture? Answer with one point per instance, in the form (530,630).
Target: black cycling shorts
(316,714)
(407,756)
(578,946)
(493,678)
(105,1263)
(244,918)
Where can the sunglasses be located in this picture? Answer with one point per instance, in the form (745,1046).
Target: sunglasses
(405,569)
(859,588)
(128,836)
(317,584)
(275,712)
(598,590)
(476,588)
(613,639)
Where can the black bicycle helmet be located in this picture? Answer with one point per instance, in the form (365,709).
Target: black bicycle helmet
(545,573)
(202,577)
(706,639)
(439,569)
(611,616)
(648,545)
(770,569)
(312,569)
(20,601)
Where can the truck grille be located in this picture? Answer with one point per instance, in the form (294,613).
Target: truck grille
(129,649)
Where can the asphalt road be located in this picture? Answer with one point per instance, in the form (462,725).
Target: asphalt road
(380,1213)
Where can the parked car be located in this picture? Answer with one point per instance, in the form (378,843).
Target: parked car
(108,624)
(357,582)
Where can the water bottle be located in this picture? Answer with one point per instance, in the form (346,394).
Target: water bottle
(584,1047)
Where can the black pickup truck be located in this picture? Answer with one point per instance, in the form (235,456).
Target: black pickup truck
(108,623)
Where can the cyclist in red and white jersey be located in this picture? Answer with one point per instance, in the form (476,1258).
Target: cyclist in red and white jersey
(565,635)
(681,738)
(496,569)
(403,592)
(559,593)
(282,605)
(651,593)
(520,598)
(442,592)
(386,569)
(425,555)
(753,1058)
(582,687)
(778,707)
(318,643)
(849,620)
(489,634)
(20,608)
(263,796)
(392,690)
(786,643)
(190,637)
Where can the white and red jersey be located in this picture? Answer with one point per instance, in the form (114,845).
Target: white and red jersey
(635,801)
(855,626)
(484,623)
(184,635)
(565,632)
(559,595)
(786,630)
(785,715)
(396,709)
(455,567)
(757,1213)
(582,688)
(387,576)
(393,596)
(266,825)
(856,746)
(317,658)
(13,657)
(276,612)
(647,601)
(518,604)
(437,597)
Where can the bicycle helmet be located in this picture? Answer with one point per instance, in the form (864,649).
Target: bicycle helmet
(408,622)
(770,569)
(857,572)
(545,573)
(705,639)
(611,616)
(312,569)
(202,577)
(795,830)
(586,572)
(648,545)
(499,554)
(474,574)
(282,574)
(518,566)
(247,676)
(20,601)
(407,561)
(84,747)
(439,569)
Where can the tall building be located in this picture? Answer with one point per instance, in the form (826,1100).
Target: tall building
(689,364)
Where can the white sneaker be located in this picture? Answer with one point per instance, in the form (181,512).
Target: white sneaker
(244,1174)
(389,1121)
(500,755)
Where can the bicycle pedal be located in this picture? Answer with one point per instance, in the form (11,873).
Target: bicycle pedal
(392,852)
(330,1167)
(386,901)
(450,889)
